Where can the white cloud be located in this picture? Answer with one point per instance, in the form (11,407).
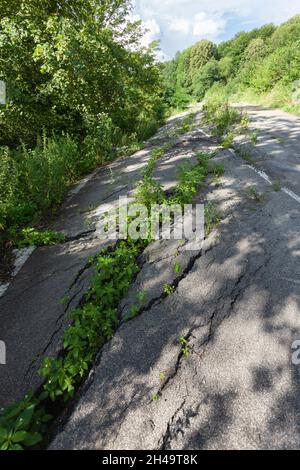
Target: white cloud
(180,25)
(208,27)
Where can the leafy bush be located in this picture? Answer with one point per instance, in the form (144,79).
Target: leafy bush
(221,116)
(22,424)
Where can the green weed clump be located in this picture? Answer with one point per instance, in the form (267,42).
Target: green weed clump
(221,116)
(33,181)
(94,323)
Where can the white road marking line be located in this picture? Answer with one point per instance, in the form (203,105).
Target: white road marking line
(261,173)
(264,175)
(291,194)
(21,257)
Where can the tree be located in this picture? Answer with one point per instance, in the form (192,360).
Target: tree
(73,66)
(200,54)
(206,78)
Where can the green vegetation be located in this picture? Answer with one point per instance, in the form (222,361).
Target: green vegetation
(277,186)
(22,424)
(212,217)
(254,194)
(80,91)
(31,236)
(94,322)
(261,66)
(168,289)
(185,347)
(177,268)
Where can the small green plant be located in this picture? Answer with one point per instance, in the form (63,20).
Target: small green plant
(64,301)
(190,179)
(149,192)
(218,169)
(212,217)
(185,125)
(155,155)
(184,347)
(245,121)
(245,154)
(141,297)
(221,116)
(254,194)
(168,289)
(228,140)
(254,137)
(22,424)
(277,186)
(156,397)
(177,268)
(162,376)
(133,312)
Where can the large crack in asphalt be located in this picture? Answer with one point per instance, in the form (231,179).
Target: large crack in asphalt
(179,425)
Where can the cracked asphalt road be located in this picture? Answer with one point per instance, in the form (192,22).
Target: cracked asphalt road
(34,311)
(236,303)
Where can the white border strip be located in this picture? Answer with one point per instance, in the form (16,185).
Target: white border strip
(264,175)
(21,257)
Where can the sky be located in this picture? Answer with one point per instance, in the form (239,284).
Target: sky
(178,24)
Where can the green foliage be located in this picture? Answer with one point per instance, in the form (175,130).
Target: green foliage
(185,347)
(94,323)
(218,169)
(259,66)
(177,268)
(222,117)
(148,192)
(254,194)
(189,179)
(200,54)
(203,81)
(71,68)
(22,424)
(78,86)
(168,289)
(212,217)
(31,236)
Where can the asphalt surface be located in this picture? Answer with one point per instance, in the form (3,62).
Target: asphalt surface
(236,303)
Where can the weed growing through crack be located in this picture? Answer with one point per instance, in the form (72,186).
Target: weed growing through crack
(141,297)
(254,194)
(245,154)
(223,118)
(218,170)
(162,376)
(133,313)
(228,140)
(277,186)
(177,268)
(254,137)
(184,347)
(156,154)
(168,289)
(156,398)
(212,217)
